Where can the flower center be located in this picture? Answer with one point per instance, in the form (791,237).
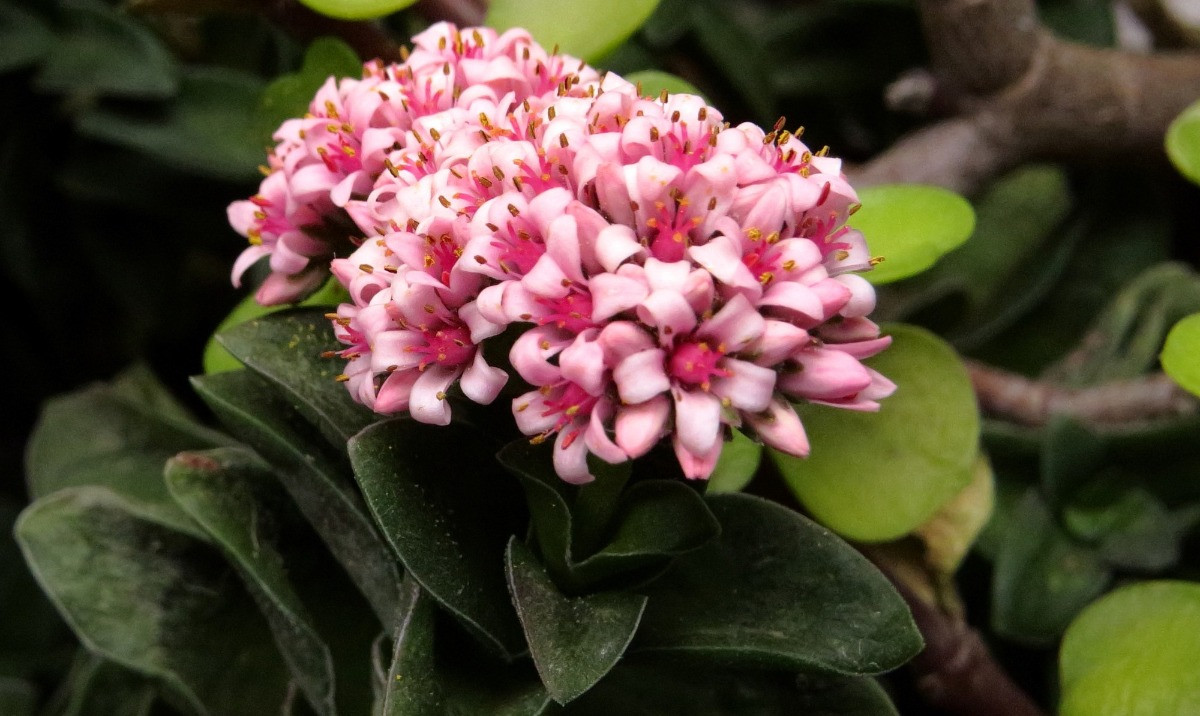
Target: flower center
(448,346)
(572,312)
(671,225)
(695,363)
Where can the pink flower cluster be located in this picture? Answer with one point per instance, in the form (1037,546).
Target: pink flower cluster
(669,275)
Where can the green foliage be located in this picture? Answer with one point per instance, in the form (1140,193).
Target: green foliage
(911,226)
(1181,353)
(578,27)
(357,9)
(872,477)
(654,82)
(290,95)
(1134,652)
(24,40)
(1183,142)
(739,460)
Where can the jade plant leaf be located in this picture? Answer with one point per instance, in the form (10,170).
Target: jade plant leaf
(735,468)
(776,590)
(654,82)
(1134,652)
(357,9)
(317,480)
(1181,353)
(574,641)
(873,477)
(225,491)
(289,96)
(153,599)
(447,509)
(285,349)
(911,226)
(1183,142)
(95,686)
(117,435)
(585,29)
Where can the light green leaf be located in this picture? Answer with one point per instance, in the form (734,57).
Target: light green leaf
(653,82)
(1183,142)
(1134,653)
(227,491)
(776,590)
(152,599)
(581,28)
(911,226)
(1181,353)
(874,477)
(738,462)
(574,641)
(357,9)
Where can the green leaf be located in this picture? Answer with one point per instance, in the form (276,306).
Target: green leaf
(150,598)
(1043,578)
(290,95)
(207,129)
(574,641)
(357,9)
(1183,142)
(432,675)
(778,591)
(1134,652)
(105,52)
(24,38)
(1129,526)
(876,476)
(584,29)
(844,696)
(1181,354)
(447,509)
(1071,454)
(285,349)
(18,697)
(317,480)
(34,640)
(97,687)
(217,358)
(737,465)
(654,82)
(226,490)
(117,435)
(911,226)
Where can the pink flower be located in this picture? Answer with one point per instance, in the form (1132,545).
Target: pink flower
(666,276)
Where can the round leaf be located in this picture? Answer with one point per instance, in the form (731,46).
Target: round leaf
(1134,652)
(1183,142)
(911,226)
(1181,354)
(877,476)
(738,462)
(579,27)
(357,9)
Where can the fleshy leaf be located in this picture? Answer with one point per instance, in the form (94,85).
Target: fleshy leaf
(1134,652)
(285,349)
(574,641)
(739,461)
(653,82)
(776,590)
(225,490)
(581,28)
(1183,142)
(152,599)
(357,9)
(1181,354)
(911,226)
(876,476)
(447,509)
(317,480)
(97,687)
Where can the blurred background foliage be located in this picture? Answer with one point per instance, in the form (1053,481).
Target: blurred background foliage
(128,127)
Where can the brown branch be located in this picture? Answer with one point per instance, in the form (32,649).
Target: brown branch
(1023,94)
(1125,402)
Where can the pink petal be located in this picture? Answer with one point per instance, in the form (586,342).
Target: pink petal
(570,457)
(862,349)
(245,260)
(697,466)
(779,341)
(529,412)
(780,427)
(795,297)
(639,427)
(394,394)
(582,362)
(615,244)
(530,356)
(613,294)
(596,436)
(621,339)
(862,295)
(750,386)
(669,312)
(482,382)
(825,375)
(722,257)
(427,403)
(735,326)
(697,420)
(640,376)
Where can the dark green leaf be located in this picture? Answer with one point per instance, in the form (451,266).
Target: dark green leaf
(1130,528)
(106,52)
(574,641)
(119,436)
(18,697)
(150,598)
(33,638)
(227,491)
(578,27)
(24,38)
(447,509)
(780,591)
(97,687)
(286,349)
(317,480)
(290,95)
(844,696)
(1070,455)
(1043,578)
(207,129)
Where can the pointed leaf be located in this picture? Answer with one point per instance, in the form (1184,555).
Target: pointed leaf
(447,509)
(911,226)
(317,480)
(225,490)
(581,28)
(779,591)
(574,641)
(152,599)
(285,348)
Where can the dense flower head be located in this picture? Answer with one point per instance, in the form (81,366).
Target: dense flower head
(670,276)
